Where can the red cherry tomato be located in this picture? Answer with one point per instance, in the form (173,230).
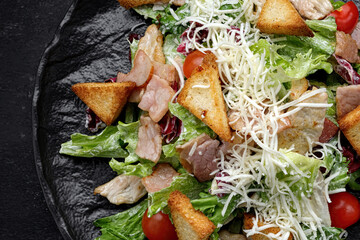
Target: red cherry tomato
(346,17)
(193,60)
(158,227)
(344,210)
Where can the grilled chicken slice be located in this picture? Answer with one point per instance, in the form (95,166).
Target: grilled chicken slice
(126,189)
(306,126)
(162,177)
(150,141)
(313,9)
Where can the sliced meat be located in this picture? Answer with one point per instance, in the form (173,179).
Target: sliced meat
(356,34)
(142,71)
(152,43)
(347,99)
(166,71)
(156,98)
(330,130)
(346,47)
(162,177)
(198,156)
(178,2)
(136,95)
(306,126)
(238,124)
(150,141)
(313,9)
(298,87)
(126,189)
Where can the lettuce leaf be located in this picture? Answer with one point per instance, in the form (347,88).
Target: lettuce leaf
(330,233)
(108,144)
(212,207)
(310,166)
(184,183)
(168,24)
(171,43)
(192,127)
(297,57)
(124,225)
(335,164)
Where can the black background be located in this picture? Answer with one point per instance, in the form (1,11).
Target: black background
(26,28)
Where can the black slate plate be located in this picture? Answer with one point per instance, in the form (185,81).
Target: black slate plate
(90,46)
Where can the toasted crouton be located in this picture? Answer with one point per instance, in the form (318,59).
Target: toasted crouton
(280,17)
(135,3)
(105,99)
(202,96)
(189,223)
(151,43)
(350,126)
(248,224)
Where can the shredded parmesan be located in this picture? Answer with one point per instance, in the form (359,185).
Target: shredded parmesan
(252,94)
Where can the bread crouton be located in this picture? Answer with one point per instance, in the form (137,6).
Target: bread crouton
(189,223)
(203,97)
(151,43)
(135,3)
(280,17)
(105,99)
(248,224)
(350,126)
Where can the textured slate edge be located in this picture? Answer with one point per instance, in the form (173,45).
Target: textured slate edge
(65,232)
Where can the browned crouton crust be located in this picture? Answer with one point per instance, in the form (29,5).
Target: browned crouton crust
(248,224)
(350,126)
(105,99)
(135,3)
(207,104)
(189,223)
(280,17)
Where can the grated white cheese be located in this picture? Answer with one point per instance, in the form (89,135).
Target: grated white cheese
(252,94)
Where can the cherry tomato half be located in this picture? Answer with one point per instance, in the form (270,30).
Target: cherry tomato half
(346,17)
(193,60)
(344,210)
(158,227)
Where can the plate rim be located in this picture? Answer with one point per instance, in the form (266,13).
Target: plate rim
(47,193)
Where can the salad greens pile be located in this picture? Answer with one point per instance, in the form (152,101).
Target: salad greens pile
(287,58)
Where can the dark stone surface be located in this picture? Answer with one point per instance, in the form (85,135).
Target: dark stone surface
(26,28)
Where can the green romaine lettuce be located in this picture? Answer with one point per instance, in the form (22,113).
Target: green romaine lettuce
(335,164)
(330,233)
(297,57)
(124,225)
(168,24)
(309,166)
(108,144)
(170,45)
(192,127)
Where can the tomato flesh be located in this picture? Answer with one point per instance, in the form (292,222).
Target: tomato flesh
(344,210)
(346,17)
(158,227)
(193,60)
